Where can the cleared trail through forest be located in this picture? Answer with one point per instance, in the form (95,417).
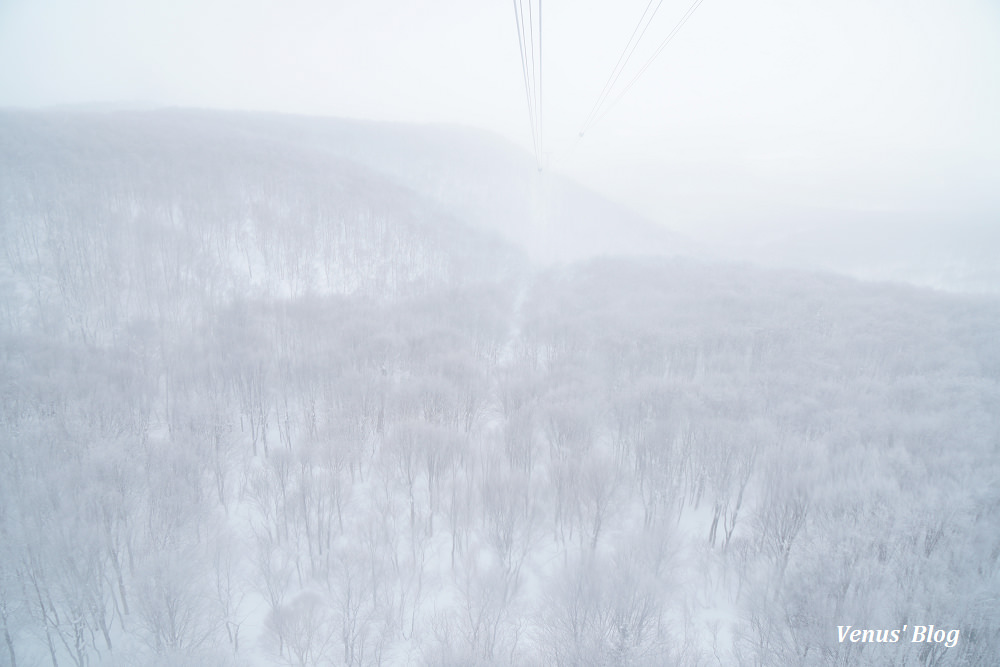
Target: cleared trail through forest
(508,351)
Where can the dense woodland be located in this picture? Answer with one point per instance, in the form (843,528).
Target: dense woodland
(262,405)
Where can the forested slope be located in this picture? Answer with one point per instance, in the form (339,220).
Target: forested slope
(264,406)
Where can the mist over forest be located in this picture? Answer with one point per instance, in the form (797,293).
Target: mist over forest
(280,390)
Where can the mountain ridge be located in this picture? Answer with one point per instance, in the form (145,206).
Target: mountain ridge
(476,176)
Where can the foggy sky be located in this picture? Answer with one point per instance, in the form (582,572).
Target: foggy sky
(753,113)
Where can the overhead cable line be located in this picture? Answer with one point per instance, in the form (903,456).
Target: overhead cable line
(680,24)
(536,69)
(524,74)
(541,136)
(623,60)
(531,70)
(531,41)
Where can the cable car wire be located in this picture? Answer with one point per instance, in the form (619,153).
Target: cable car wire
(524,73)
(541,136)
(536,72)
(680,24)
(623,60)
(531,70)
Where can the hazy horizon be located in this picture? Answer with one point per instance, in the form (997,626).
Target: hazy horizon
(751,117)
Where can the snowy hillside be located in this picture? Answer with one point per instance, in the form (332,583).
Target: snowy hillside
(288,391)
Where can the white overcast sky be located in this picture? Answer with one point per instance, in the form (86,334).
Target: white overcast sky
(757,106)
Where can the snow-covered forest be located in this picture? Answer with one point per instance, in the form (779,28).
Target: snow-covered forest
(302,392)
